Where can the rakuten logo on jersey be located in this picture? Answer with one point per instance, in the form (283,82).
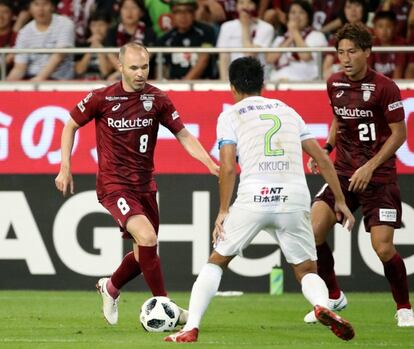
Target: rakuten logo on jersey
(354,113)
(127,124)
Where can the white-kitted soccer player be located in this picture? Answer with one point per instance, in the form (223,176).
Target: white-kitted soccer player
(267,136)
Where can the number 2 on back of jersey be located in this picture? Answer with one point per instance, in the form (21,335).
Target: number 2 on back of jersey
(367,132)
(270,133)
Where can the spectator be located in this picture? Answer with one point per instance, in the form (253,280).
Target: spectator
(276,15)
(404,11)
(95,66)
(21,8)
(188,32)
(296,66)
(46,30)
(130,28)
(391,64)
(160,15)
(246,31)
(230,9)
(354,11)
(79,11)
(211,12)
(325,12)
(7,35)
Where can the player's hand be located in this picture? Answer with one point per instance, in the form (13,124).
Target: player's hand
(218,232)
(360,179)
(64,183)
(344,215)
(313,166)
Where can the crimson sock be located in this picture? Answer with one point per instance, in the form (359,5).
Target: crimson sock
(326,270)
(151,268)
(128,270)
(396,274)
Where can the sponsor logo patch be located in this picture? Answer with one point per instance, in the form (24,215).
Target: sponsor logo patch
(175,115)
(338,84)
(395,105)
(116,107)
(387,214)
(340,93)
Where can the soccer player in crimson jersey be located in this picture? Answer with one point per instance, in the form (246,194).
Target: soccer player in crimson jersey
(367,130)
(127,115)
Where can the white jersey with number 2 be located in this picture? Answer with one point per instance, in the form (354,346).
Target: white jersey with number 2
(268,136)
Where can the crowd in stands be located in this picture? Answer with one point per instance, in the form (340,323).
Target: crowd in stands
(198,23)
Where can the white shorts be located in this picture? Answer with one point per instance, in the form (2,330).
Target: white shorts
(292,231)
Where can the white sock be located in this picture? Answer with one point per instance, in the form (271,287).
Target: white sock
(314,289)
(204,289)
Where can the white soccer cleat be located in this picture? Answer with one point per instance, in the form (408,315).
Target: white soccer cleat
(109,304)
(333,304)
(405,317)
(182,319)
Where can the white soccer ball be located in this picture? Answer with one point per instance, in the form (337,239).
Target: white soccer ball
(159,314)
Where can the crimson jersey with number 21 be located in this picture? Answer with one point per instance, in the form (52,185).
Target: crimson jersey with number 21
(363,110)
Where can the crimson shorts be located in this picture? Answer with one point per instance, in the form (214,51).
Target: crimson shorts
(380,202)
(124,204)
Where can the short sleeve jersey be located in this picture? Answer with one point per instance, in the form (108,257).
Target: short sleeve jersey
(126,126)
(268,135)
(364,109)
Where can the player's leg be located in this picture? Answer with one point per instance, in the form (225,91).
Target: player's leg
(240,227)
(295,237)
(204,289)
(127,271)
(381,206)
(323,219)
(145,237)
(394,270)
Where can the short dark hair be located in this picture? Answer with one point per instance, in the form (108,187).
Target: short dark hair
(365,10)
(7,3)
(306,6)
(246,75)
(357,33)
(390,15)
(100,15)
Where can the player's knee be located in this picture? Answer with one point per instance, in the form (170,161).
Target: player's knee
(384,251)
(147,238)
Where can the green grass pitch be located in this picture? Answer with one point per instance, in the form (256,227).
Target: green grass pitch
(34,319)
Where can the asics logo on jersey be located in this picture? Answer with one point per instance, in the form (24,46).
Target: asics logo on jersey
(340,93)
(129,124)
(353,113)
(116,107)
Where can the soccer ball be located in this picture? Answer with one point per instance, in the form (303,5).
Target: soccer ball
(159,314)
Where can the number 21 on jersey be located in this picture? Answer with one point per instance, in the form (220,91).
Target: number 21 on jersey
(367,132)
(270,133)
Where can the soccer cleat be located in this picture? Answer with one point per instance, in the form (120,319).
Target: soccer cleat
(333,304)
(339,326)
(183,336)
(110,305)
(405,317)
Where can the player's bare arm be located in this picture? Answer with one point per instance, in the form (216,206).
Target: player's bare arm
(227,179)
(326,168)
(64,180)
(362,176)
(331,140)
(196,150)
